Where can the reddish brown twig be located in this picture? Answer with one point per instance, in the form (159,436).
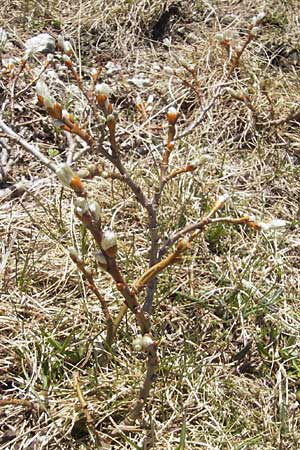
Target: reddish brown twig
(91,284)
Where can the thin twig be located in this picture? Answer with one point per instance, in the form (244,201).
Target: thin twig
(71,149)
(17,402)
(200,225)
(155,270)
(21,187)
(29,85)
(293,116)
(203,114)
(6,161)
(113,269)
(152,364)
(86,412)
(152,273)
(179,171)
(91,284)
(28,147)
(153,225)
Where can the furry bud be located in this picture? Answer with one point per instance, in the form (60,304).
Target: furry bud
(67,48)
(77,185)
(102,92)
(109,243)
(137,344)
(273,224)
(172,115)
(95,210)
(257,19)
(102,89)
(255,31)
(65,174)
(219,37)
(81,206)
(73,253)
(223,198)
(147,341)
(43,94)
(101,260)
(69,178)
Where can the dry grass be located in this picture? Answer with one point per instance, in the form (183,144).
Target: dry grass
(227,318)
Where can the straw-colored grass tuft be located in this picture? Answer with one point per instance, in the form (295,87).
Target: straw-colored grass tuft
(226,318)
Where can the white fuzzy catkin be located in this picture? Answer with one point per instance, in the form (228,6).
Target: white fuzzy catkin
(102,89)
(65,174)
(109,239)
(273,224)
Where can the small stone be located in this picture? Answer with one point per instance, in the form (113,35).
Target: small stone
(167,43)
(156,67)
(43,43)
(139,82)
(112,68)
